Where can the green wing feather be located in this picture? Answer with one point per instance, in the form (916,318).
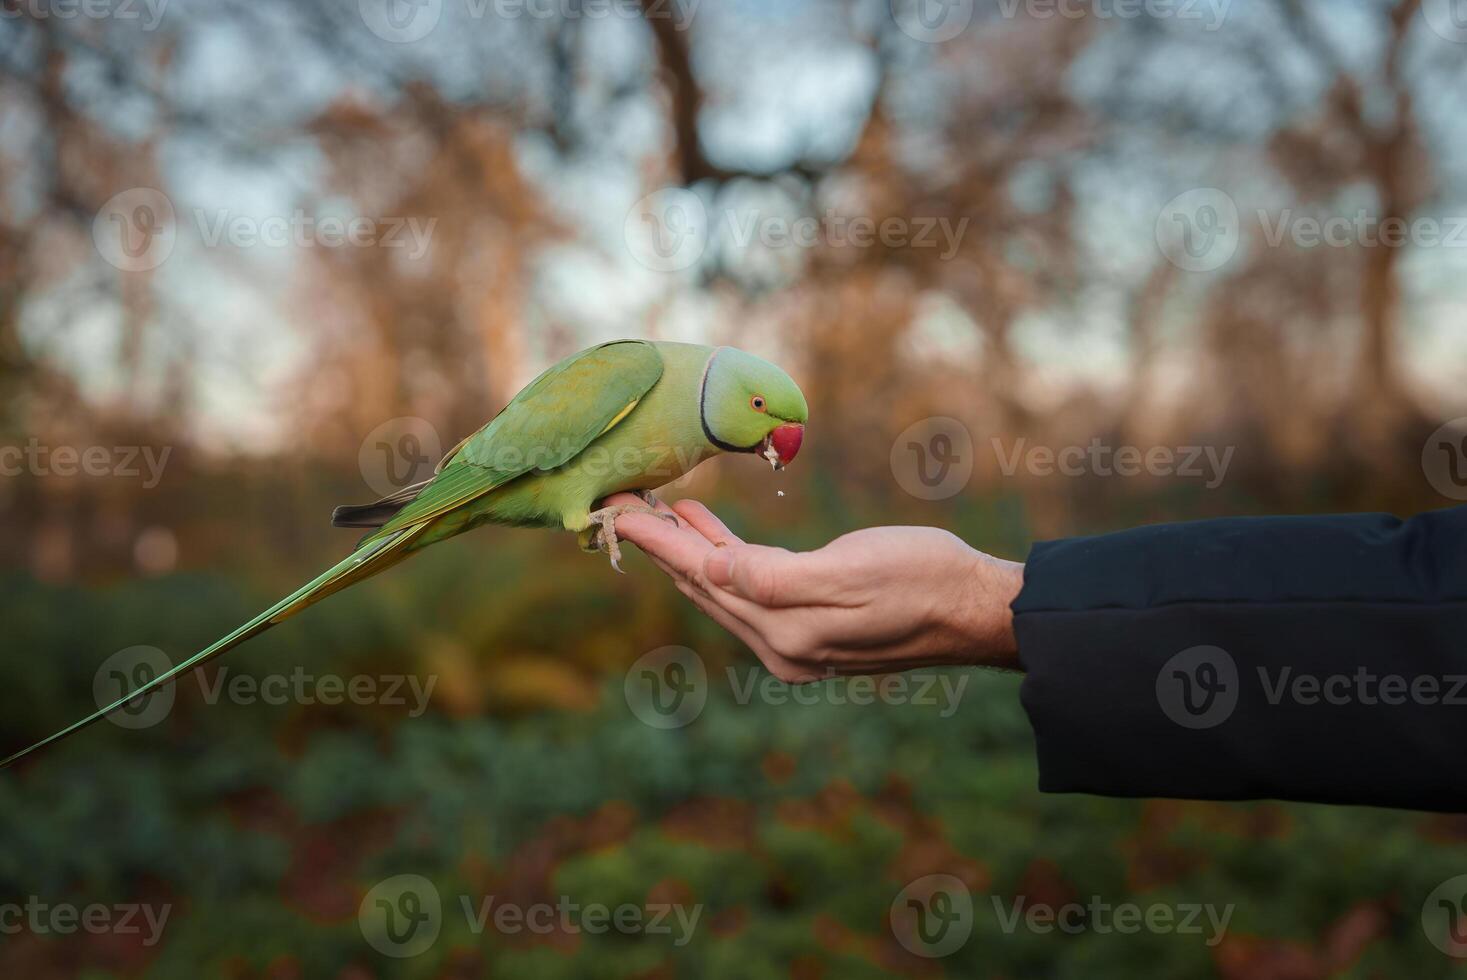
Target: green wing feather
(546,425)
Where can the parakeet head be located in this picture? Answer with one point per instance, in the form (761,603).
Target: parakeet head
(750,406)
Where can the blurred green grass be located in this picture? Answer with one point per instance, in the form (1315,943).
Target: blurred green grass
(792,825)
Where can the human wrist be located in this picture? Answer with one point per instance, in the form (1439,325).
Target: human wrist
(986,615)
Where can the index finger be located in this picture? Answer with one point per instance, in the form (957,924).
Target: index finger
(679,548)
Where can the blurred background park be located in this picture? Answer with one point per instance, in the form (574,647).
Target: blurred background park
(262,257)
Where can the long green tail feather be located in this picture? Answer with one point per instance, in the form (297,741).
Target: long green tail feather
(361,564)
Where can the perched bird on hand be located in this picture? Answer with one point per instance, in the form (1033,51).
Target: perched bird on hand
(630,415)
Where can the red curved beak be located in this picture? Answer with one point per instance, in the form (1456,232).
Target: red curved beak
(786,441)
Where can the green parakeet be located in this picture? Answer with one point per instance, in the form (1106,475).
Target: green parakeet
(630,415)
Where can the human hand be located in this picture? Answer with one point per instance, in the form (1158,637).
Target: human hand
(874,601)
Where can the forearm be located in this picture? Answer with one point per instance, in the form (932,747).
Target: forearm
(1310,659)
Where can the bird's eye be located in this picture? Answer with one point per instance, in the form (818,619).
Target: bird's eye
(757,402)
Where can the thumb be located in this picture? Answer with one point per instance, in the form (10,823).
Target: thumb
(765,576)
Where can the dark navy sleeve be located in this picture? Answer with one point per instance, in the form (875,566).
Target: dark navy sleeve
(1313,658)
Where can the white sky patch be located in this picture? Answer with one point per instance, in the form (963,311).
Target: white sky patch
(1437,354)
(943,330)
(1096,354)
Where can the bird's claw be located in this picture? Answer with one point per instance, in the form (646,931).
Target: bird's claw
(604,520)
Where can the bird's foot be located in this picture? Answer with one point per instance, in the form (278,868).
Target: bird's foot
(600,535)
